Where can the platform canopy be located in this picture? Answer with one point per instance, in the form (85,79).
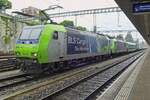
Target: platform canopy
(138,14)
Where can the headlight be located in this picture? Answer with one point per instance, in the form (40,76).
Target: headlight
(34,54)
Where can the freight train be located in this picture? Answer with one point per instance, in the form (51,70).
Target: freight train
(46,48)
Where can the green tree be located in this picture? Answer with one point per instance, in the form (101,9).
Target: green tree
(81,28)
(120,37)
(129,37)
(5,4)
(67,23)
(6,38)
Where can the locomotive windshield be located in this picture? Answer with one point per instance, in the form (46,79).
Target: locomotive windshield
(30,33)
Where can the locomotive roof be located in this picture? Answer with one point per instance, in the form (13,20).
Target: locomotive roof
(35,26)
(86,32)
(83,32)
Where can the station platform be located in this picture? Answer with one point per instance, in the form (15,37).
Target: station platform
(141,87)
(134,84)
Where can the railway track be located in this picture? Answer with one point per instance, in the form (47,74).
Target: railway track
(6,82)
(6,57)
(84,89)
(77,83)
(7,64)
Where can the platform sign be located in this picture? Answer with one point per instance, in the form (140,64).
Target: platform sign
(141,8)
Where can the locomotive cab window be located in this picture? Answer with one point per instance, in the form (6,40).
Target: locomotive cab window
(31,33)
(55,35)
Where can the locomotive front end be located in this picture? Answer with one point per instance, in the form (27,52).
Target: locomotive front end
(27,47)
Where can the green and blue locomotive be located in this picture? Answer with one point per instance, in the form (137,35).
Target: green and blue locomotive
(50,47)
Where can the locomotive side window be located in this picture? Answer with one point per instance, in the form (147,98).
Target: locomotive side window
(55,35)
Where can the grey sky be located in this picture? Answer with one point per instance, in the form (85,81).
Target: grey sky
(104,21)
(67,4)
